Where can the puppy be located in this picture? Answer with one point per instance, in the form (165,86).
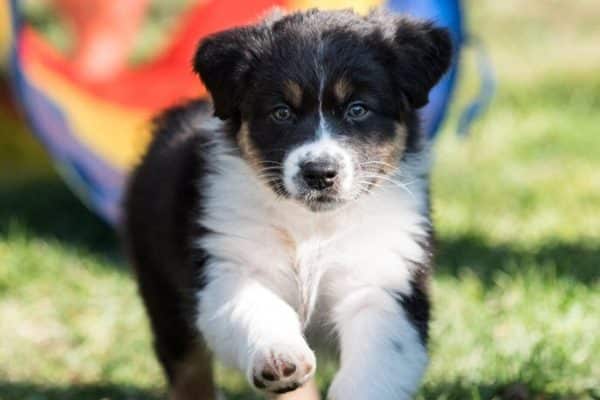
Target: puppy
(297,201)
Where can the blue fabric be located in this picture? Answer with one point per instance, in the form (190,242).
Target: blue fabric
(486,91)
(96,183)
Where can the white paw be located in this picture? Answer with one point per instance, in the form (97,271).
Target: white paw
(280,368)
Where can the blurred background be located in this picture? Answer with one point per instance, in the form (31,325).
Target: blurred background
(516,205)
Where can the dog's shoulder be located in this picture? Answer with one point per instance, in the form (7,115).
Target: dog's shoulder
(162,198)
(179,125)
(178,135)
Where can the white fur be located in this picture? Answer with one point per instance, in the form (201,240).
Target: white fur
(273,261)
(323,146)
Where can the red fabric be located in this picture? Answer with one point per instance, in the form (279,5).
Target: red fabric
(105,32)
(167,79)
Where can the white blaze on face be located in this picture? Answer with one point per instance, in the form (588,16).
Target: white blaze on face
(324,146)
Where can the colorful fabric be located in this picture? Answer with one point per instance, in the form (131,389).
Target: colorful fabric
(96,131)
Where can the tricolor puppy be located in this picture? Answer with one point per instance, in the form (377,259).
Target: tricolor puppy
(296,202)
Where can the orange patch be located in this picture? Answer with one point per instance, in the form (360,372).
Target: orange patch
(342,90)
(396,147)
(286,239)
(293,93)
(247,148)
(388,153)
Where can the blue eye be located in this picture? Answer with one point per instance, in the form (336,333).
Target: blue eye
(281,114)
(357,111)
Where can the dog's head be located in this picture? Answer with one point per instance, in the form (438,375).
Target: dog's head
(322,104)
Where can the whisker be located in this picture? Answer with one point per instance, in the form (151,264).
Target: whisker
(268,162)
(269,169)
(400,185)
(378,163)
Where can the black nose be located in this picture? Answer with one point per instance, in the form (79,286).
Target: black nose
(319,175)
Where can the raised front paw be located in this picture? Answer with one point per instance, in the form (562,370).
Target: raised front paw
(281,368)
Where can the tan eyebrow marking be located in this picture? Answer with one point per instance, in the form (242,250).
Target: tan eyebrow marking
(342,90)
(293,93)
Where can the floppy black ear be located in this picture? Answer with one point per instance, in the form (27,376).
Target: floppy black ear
(423,53)
(223,61)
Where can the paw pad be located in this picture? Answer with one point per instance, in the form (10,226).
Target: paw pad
(282,369)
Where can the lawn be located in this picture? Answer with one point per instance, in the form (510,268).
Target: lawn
(517,210)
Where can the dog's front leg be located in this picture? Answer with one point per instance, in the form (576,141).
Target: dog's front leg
(382,355)
(249,327)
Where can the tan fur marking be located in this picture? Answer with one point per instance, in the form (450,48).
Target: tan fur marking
(194,379)
(342,90)
(308,391)
(291,248)
(287,240)
(389,153)
(293,93)
(392,151)
(247,148)
(399,143)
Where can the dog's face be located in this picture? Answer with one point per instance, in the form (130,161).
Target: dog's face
(323,103)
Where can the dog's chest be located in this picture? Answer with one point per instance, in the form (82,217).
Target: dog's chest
(305,264)
(309,259)
(312,265)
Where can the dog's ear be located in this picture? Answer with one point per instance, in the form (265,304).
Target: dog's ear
(421,54)
(224,60)
(424,53)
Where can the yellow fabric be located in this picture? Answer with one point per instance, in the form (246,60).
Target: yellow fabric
(117,134)
(5,33)
(360,6)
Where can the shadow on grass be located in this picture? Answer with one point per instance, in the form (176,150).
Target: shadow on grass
(497,391)
(46,208)
(562,260)
(34,391)
(91,391)
(450,391)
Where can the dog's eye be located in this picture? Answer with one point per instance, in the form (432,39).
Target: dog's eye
(281,114)
(357,111)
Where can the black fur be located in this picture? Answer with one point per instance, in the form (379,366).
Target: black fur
(161,210)
(242,67)
(390,62)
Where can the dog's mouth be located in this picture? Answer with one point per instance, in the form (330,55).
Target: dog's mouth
(314,200)
(327,199)
(320,202)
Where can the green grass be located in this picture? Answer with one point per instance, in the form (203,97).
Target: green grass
(517,209)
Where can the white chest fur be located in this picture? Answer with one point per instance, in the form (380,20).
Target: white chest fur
(306,257)
(273,263)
